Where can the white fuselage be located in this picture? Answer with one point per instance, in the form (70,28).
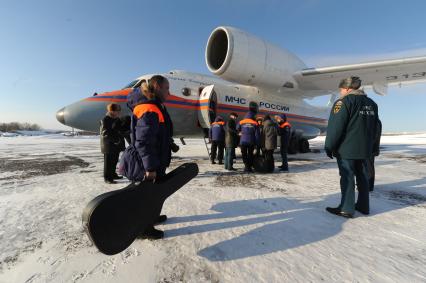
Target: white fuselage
(185,109)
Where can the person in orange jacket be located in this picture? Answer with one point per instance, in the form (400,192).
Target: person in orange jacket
(284,131)
(217,137)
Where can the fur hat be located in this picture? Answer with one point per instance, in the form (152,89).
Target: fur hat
(113,107)
(351,82)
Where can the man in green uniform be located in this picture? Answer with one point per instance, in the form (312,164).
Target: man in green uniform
(351,134)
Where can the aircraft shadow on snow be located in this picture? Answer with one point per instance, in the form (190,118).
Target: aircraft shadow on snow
(288,223)
(407,149)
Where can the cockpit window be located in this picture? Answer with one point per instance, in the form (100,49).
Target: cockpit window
(139,83)
(132,84)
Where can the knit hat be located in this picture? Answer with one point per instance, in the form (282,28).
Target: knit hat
(250,115)
(218,119)
(283,116)
(253,107)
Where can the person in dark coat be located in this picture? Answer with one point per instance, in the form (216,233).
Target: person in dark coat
(217,137)
(259,120)
(112,142)
(351,135)
(249,139)
(284,132)
(152,132)
(234,116)
(269,142)
(231,142)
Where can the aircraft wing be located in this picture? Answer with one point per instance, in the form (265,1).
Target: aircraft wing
(377,74)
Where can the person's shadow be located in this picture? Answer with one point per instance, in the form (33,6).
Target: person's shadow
(285,224)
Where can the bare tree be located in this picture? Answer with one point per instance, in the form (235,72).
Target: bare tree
(16,126)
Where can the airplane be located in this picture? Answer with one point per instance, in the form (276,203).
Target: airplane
(251,70)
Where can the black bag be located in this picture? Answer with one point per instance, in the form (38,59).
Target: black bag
(131,165)
(113,220)
(261,163)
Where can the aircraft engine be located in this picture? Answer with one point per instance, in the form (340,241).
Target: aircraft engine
(235,55)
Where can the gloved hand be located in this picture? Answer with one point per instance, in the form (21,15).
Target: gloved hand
(329,153)
(174,147)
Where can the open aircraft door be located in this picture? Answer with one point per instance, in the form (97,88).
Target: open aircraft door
(208,106)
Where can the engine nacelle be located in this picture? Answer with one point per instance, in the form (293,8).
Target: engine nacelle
(237,56)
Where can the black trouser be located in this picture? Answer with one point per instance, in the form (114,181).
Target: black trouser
(217,146)
(371,173)
(110,163)
(283,151)
(269,158)
(247,153)
(348,169)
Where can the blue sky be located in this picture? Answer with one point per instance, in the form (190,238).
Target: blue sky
(53,53)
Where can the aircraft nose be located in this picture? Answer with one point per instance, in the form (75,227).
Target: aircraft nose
(60,116)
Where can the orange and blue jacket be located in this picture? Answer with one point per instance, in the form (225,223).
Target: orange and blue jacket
(217,131)
(151,133)
(249,130)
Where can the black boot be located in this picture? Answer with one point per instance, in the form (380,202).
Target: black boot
(283,167)
(116,177)
(339,212)
(365,212)
(152,234)
(161,219)
(110,181)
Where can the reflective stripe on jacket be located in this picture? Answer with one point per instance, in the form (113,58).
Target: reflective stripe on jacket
(250,133)
(217,131)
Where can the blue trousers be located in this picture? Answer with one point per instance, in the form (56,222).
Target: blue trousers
(229,157)
(349,169)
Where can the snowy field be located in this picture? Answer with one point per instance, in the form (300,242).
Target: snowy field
(222,227)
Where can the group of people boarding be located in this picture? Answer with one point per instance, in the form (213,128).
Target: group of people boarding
(256,136)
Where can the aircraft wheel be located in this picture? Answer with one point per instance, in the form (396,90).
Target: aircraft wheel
(303,145)
(293,146)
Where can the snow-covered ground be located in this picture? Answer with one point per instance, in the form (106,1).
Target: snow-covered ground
(223,226)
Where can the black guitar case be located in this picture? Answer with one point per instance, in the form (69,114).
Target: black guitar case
(113,220)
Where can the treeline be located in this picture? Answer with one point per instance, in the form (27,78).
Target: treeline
(16,126)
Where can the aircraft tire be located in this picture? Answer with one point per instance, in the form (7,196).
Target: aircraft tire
(303,146)
(293,146)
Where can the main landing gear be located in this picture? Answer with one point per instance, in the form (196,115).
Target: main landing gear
(298,144)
